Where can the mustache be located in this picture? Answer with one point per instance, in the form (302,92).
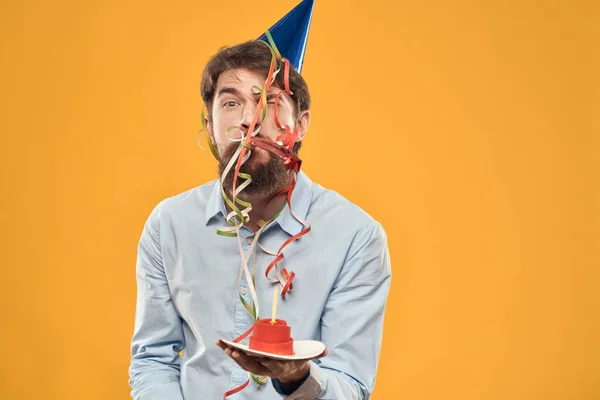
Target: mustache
(268,176)
(232,147)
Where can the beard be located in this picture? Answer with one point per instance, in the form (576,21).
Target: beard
(268,176)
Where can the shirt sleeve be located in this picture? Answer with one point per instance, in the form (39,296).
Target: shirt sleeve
(158,335)
(351,324)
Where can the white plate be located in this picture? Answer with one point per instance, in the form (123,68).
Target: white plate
(303,350)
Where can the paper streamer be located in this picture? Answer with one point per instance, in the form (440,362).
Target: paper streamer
(239,215)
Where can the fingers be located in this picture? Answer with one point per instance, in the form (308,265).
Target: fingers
(250,364)
(275,366)
(323,354)
(282,365)
(221,344)
(287,369)
(265,366)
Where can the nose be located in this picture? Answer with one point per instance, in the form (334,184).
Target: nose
(247,117)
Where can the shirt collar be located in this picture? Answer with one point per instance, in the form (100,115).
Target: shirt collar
(215,204)
(301,198)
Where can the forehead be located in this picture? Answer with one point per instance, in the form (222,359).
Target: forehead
(242,79)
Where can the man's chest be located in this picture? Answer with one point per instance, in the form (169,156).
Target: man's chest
(203,272)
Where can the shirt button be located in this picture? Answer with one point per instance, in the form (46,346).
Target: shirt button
(244,290)
(249,240)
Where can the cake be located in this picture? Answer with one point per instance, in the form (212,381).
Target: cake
(272,338)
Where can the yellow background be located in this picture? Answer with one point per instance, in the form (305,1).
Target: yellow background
(465,127)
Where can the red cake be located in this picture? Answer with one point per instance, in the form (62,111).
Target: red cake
(272,338)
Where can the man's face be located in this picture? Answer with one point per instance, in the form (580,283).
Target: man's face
(235,104)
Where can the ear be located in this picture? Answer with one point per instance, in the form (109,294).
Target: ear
(302,124)
(209,128)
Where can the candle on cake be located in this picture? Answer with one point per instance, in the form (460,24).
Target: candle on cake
(274,310)
(272,335)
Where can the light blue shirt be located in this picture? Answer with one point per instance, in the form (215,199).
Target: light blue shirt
(188,296)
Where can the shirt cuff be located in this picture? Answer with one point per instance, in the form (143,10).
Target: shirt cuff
(309,389)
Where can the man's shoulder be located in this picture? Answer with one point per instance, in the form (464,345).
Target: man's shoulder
(336,206)
(189,202)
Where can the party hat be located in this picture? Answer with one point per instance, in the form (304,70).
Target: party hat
(290,33)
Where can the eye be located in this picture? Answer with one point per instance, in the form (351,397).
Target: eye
(229,104)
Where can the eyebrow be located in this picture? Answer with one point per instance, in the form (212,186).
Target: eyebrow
(227,90)
(284,97)
(235,92)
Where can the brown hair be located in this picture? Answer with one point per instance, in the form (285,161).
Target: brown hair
(255,56)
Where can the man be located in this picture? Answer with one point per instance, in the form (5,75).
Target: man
(189,281)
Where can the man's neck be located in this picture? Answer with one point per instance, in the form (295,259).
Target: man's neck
(264,207)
